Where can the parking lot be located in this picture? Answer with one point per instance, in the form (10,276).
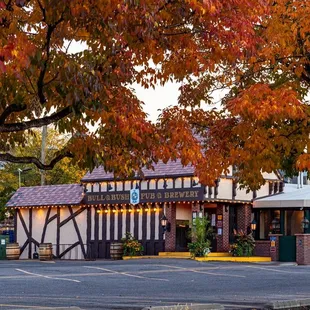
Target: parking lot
(138,283)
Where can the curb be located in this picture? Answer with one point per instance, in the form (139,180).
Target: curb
(288,304)
(188,307)
(55,308)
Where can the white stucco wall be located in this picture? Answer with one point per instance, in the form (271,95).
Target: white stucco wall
(243,195)
(21,235)
(263,191)
(68,234)
(51,230)
(38,220)
(224,189)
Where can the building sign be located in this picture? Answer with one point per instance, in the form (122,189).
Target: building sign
(159,195)
(134,196)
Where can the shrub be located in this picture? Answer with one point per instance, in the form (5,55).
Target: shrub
(199,249)
(244,244)
(201,234)
(131,246)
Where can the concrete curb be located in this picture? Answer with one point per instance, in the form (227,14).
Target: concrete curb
(288,304)
(188,307)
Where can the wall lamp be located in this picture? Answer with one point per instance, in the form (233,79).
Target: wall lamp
(165,185)
(194,183)
(253,225)
(165,224)
(305,224)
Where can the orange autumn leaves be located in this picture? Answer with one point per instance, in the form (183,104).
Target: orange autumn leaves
(257,49)
(260,103)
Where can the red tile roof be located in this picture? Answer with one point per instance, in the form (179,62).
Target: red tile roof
(171,169)
(49,195)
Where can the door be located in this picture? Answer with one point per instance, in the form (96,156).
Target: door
(182,236)
(210,213)
(287,248)
(232,223)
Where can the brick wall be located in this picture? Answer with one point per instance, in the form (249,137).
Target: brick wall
(262,248)
(170,237)
(303,249)
(223,240)
(244,217)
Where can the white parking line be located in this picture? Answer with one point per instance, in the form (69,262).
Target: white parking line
(276,270)
(46,277)
(33,307)
(125,274)
(205,272)
(22,306)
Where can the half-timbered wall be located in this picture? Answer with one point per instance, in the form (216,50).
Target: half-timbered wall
(225,189)
(86,232)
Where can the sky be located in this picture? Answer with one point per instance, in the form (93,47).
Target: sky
(156,99)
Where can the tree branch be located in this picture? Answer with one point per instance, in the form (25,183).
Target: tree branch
(33,160)
(50,30)
(11,109)
(40,122)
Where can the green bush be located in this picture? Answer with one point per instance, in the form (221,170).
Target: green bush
(199,249)
(201,234)
(244,244)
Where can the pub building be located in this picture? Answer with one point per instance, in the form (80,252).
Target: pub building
(82,220)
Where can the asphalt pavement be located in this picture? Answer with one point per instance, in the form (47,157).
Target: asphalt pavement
(135,284)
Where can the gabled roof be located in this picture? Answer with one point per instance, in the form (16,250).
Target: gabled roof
(49,195)
(170,169)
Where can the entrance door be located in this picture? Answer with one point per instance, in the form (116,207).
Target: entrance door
(182,236)
(287,248)
(232,223)
(210,213)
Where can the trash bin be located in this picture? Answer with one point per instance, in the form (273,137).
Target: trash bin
(4,240)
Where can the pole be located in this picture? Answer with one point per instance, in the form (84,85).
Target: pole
(19,171)
(43,153)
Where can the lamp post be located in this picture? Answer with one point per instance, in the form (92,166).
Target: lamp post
(20,171)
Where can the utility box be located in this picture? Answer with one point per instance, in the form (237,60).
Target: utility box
(4,240)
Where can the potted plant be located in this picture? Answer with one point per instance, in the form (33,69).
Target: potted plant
(131,246)
(201,234)
(244,244)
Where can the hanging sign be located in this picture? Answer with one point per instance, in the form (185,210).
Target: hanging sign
(134,196)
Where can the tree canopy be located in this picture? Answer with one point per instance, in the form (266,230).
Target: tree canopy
(64,171)
(257,49)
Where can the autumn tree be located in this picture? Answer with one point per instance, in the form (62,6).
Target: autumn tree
(199,43)
(263,123)
(64,172)
(258,50)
